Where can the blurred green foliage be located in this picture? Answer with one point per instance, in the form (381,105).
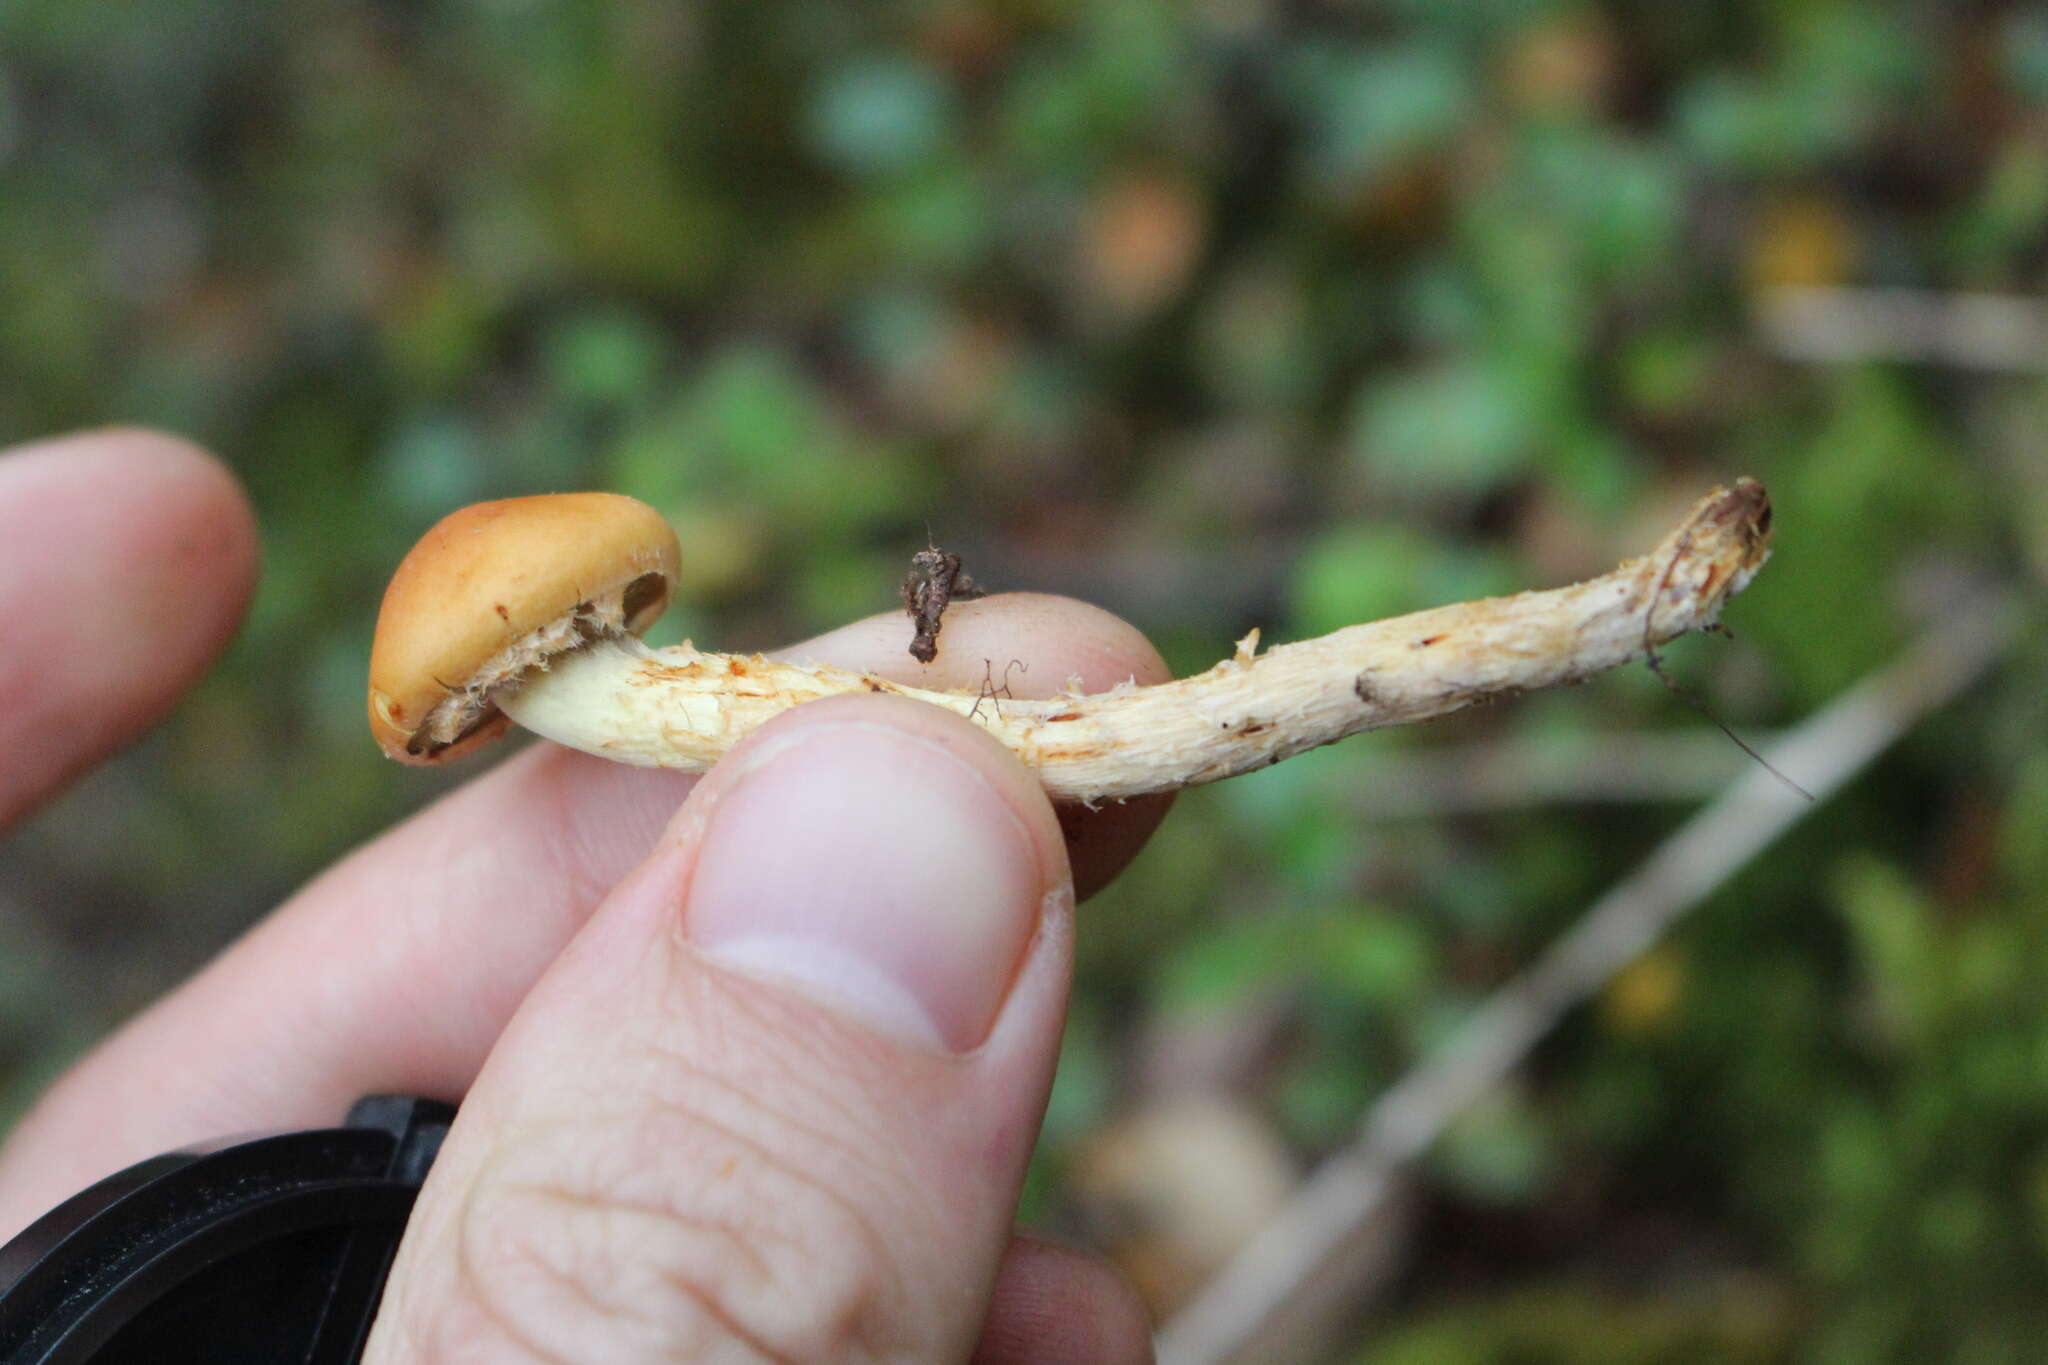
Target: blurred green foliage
(1223,314)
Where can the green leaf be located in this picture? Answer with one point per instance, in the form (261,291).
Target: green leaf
(1227,963)
(1372,956)
(1496,1152)
(1370,111)
(2023,836)
(880,116)
(2023,53)
(604,357)
(1367,573)
(1455,429)
(1893,931)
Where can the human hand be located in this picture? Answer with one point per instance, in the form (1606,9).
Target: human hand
(765,1091)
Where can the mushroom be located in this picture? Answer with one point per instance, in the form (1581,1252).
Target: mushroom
(529,609)
(497,591)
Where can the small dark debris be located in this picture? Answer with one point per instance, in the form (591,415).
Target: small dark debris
(936,579)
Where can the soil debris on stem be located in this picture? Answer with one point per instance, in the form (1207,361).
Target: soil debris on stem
(936,579)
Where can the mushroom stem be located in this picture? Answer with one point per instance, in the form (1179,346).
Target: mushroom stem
(684,708)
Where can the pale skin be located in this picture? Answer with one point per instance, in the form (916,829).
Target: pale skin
(481,950)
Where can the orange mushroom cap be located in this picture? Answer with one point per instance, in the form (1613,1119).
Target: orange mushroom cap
(494,589)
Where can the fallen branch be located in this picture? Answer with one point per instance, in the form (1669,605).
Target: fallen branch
(1228,1320)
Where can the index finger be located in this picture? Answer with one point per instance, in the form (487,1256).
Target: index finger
(125,561)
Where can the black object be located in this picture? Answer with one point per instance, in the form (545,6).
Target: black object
(273,1249)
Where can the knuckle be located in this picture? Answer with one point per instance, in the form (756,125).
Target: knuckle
(672,1233)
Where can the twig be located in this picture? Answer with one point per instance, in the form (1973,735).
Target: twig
(1349,1188)
(1968,331)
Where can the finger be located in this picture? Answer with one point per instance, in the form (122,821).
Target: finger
(776,1099)
(126,559)
(983,645)
(1056,1303)
(397,970)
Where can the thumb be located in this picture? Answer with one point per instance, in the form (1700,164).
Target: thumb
(776,1099)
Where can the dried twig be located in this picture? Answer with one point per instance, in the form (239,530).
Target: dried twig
(1970,331)
(1228,1320)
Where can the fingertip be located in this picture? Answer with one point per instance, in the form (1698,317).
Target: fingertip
(127,558)
(1031,644)
(210,523)
(1024,644)
(1089,643)
(890,854)
(1052,1302)
(167,511)
(912,722)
